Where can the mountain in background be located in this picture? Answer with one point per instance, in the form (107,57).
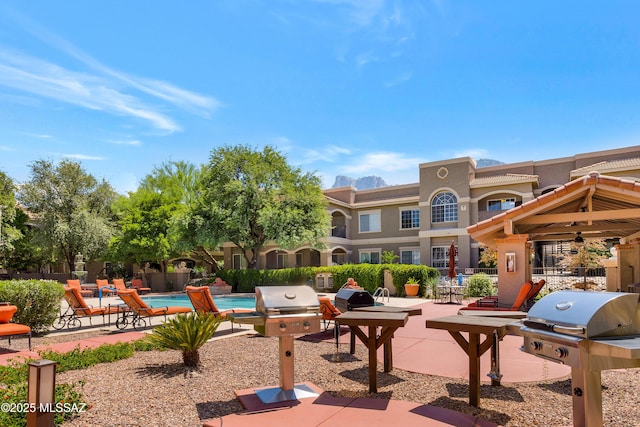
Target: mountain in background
(481,163)
(362,183)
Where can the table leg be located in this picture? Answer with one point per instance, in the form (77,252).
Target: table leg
(373,360)
(388,356)
(474,369)
(352,342)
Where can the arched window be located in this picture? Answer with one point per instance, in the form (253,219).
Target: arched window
(444,208)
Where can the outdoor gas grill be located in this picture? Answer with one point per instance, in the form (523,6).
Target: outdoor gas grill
(589,331)
(284,311)
(349,298)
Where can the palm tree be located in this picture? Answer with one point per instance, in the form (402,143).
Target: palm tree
(187,333)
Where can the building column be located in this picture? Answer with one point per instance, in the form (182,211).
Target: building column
(628,264)
(514,266)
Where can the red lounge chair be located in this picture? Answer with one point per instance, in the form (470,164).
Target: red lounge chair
(517,305)
(139,310)
(8,329)
(79,308)
(202,302)
(137,285)
(329,311)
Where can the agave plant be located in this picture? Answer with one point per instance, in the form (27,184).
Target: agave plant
(187,333)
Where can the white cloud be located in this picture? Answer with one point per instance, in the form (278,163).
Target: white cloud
(382,161)
(475,153)
(6,148)
(401,78)
(82,157)
(105,89)
(126,142)
(39,135)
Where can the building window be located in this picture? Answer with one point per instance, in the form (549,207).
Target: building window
(369,222)
(409,218)
(237,261)
(370,257)
(440,256)
(500,205)
(410,256)
(281,260)
(299,259)
(444,208)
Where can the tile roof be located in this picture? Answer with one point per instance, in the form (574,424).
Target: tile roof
(510,178)
(630,189)
(608,166)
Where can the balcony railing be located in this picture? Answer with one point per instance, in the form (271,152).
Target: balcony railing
(339,231)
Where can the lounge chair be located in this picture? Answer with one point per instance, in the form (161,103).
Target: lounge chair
(202,302)
(119,285)
(137,285)
(107,289)
(78,308)
(139,310)
(75,283)
(8,329)
(493,304)
(535,290)
(328,310)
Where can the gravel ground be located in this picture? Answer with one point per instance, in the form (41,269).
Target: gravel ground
(155,389)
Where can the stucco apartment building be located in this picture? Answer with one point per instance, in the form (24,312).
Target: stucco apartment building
(419,221)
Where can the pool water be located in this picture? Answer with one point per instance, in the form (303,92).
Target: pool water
(222,302)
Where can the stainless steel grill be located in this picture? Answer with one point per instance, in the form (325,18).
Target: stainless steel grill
(284,311)
(589,331)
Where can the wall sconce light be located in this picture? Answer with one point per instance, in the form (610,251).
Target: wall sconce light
(41,393)
(579,239)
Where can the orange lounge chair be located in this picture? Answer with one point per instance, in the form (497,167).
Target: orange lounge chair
(119,285)
(202,302)
(137,285)
(75,283)
(517,304)
(139,310)
(79,308)
(8,329)
(328,310)
(107,289)
(535,290)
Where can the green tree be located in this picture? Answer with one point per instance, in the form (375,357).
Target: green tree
(144,218)
(586,256)
(71,210)
(250,198)
(177,182)
(25,252)
(9,232)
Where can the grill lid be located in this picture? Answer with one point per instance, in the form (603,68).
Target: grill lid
(279,300)
(587,314)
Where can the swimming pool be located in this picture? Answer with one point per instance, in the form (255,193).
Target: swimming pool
(222,302)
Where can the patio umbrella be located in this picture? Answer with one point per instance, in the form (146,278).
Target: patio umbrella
(452,260)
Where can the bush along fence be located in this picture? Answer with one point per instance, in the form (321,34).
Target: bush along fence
(369,276)
(38,301)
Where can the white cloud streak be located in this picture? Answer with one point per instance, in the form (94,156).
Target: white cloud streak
(126,142)
(82,157)
(382,161)
(105,89)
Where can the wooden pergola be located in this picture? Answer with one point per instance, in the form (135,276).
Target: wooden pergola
(594,207)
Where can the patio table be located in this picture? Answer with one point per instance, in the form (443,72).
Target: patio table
(451,291)
(493,327)
(389,322)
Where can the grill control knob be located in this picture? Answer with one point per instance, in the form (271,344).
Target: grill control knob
(283,327)
(562,352)
(306,326)
(536,345)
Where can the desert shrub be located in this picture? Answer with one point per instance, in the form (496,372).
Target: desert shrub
(480,285)
(187,333)
(38,301)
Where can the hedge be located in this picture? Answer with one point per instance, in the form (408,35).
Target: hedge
(369,276)
(38,301)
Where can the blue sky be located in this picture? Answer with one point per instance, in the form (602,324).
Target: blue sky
(351,87)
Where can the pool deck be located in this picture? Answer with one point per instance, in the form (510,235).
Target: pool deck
(412,346)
